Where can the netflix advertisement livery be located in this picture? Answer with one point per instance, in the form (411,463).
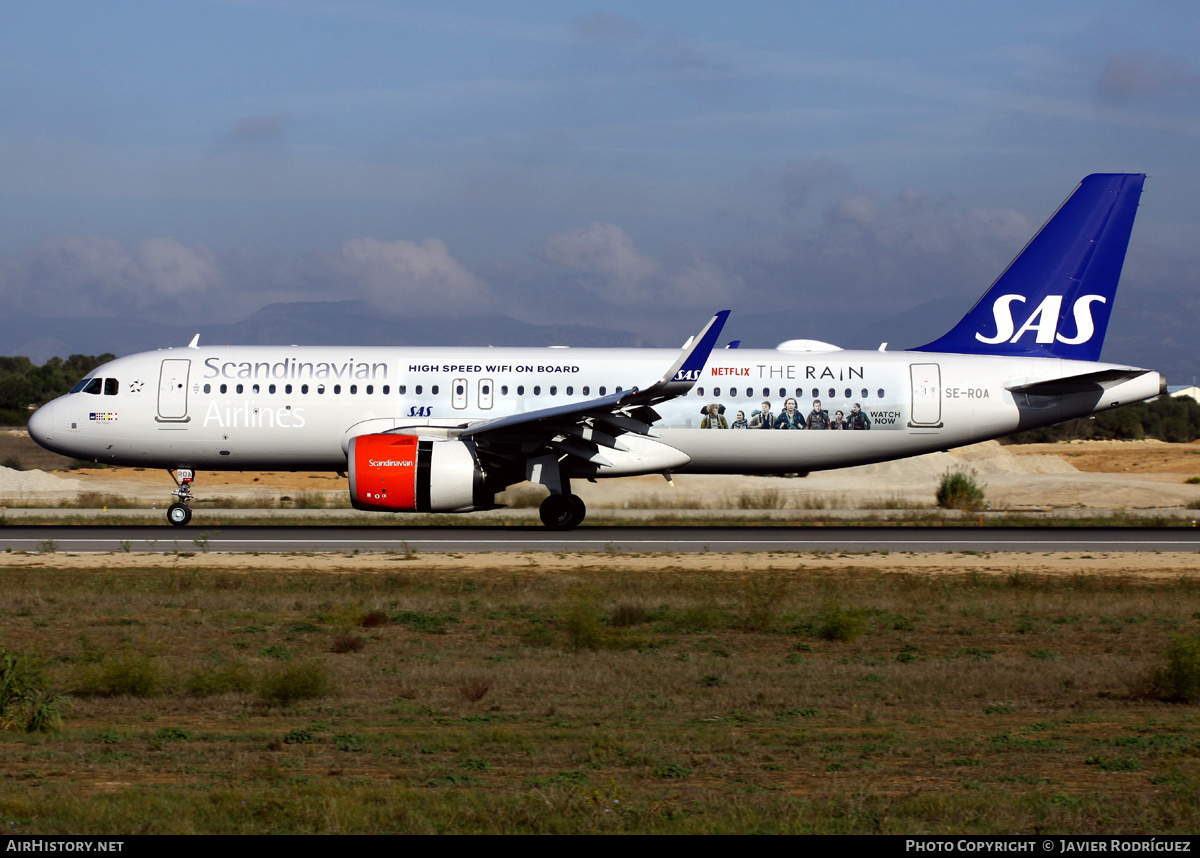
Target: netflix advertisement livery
(446,429)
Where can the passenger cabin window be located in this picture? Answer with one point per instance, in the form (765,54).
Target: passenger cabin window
(386,388)
(208,388)
(400,390)
(434,390)
(271,389)
(520,390)
(371,388)
(417,389)
(304,388)
(354,389)
(224,388)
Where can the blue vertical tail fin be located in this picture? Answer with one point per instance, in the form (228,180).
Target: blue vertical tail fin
(1055,298)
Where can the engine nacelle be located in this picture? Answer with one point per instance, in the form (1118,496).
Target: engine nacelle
(404,473)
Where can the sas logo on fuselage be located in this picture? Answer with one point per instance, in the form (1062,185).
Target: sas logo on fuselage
(421,411)
(1043,320)
(688,375)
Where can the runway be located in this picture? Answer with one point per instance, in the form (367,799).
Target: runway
(287,539)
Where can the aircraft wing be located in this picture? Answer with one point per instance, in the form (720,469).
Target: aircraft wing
(1088,382)
(581,428)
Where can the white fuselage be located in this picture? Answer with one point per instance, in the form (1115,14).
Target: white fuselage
(260,407)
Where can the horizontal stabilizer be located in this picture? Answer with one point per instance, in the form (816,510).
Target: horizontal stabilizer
(1088,382)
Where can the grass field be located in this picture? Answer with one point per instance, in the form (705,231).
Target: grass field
(782,695)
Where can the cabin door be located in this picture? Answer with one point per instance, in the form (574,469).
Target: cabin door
(926,395)
(173,391)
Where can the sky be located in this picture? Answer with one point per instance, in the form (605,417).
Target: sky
(629,165)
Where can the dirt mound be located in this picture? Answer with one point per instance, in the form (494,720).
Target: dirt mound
(14,483)
(986,459)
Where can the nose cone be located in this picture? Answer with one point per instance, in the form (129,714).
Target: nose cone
(41,425)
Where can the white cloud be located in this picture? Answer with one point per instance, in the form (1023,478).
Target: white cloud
(605,260)
(402,277)
(80,275)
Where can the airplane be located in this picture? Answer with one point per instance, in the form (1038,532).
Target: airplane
(446,429)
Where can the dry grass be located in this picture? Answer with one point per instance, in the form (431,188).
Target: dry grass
(691,700)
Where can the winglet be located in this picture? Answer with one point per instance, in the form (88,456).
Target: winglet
(685,372)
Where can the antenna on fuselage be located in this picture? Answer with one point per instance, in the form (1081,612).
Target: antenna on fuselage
(195,343)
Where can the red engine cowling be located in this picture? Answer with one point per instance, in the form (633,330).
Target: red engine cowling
(404,473)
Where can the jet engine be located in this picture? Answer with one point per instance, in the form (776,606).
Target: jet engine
(404,473)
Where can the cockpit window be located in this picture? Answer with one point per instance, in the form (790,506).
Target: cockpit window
(94,385)
(111,385)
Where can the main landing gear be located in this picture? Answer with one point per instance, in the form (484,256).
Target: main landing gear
(180,513)
(562,512)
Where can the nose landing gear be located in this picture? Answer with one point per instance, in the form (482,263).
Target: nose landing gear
(180,513)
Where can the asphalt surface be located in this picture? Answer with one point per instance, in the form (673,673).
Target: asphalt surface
(286,539)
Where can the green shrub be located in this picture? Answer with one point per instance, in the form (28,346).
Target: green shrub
(347,643)
(349,742)
(841,624)
(584,628)
(39,711)
(1179,678)
(25,704)
(1114,764)
(769,498)
(220,679)
(958,490)
(627,614)
(373,619)
(129,675)
(172,734)
(294,682)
